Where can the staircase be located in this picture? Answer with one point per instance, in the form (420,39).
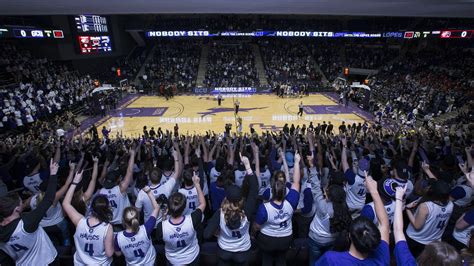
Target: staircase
(316,65)
(262,77)
(202,65)
(149,57)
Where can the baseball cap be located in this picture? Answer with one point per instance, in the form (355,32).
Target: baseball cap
(110,180)
(233,193)
(402,169)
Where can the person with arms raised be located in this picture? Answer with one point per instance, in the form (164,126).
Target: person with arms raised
(135,241)
(21,235)
(273,219)
(369,244)
(179,231)
(94,234)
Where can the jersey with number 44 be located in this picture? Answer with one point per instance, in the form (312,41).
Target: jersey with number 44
(435,223)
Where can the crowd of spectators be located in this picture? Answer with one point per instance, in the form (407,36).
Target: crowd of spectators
(425,84)
(175,64)
(43,89)
(368,57)
(335,197)
(289,63)
(231,65)
(328,55)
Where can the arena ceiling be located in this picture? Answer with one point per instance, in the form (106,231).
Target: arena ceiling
(417,8)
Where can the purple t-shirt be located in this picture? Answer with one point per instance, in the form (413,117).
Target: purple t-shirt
(381,256)
(403,254)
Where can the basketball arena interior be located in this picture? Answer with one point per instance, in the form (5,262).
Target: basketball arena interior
(213,132)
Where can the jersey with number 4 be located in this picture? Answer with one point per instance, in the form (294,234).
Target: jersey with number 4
(118,201)
(278,222)
(236,240)
(29,248)
(192,199)
(435,223)
(181,244)
(264,181)
(137,249)
(355,193)
(89,242)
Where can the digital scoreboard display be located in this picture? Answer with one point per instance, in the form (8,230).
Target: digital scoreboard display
(94,44)
(90,23)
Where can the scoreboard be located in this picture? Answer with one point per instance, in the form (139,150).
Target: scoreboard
(90,23)
(92,34)
(94,44)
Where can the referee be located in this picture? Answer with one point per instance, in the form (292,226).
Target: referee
(300,107)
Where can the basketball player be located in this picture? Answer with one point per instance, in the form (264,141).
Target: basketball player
(273,219)
(116,191)
(94,235)
(179,231)
(300,109)
(237,105)
(135,241)
(231,221)
(21,235)
(219,99)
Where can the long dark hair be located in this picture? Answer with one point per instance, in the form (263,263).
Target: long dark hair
(8,205)
(439,253)
(278,185)
(100,209)
(341,220)
(438,191)
(176,205)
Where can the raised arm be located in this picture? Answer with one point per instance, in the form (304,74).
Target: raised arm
(202,200)
(296,173)
(156,207)
(177,164)
(256,157)
(469,157)
(60,193)
(345,165)
(398,217)
(231,150)
(71,212)
(32,219)
(426,169)
(128,176)
(91,187)
(384,226)
(413,153)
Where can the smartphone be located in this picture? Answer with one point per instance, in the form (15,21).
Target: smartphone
(460,159)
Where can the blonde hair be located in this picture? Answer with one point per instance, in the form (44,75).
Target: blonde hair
(131,219)
(231,209)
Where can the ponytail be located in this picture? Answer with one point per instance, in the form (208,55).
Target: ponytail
(233,213)
(130,219)
(341,218)
(101,209)
(278,190)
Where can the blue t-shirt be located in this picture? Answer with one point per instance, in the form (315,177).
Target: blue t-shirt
(403,255)
(381,256)
(292,197)
(217,196)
